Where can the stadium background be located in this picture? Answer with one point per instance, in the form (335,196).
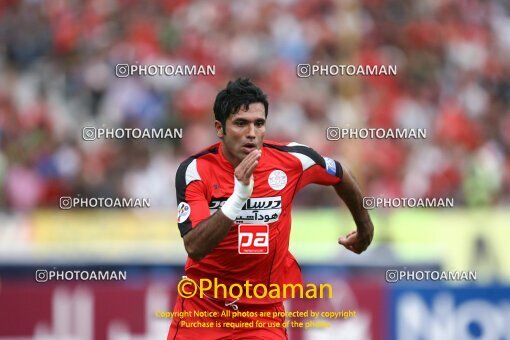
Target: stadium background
(57,61)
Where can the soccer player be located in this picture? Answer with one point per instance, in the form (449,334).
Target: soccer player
(234,214)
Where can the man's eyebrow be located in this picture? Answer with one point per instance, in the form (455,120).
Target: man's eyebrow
(239,119)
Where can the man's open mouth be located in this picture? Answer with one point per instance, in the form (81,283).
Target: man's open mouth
(249,147)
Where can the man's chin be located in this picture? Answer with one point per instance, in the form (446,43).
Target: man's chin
(242,155)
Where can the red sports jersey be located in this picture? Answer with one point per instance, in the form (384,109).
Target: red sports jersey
(256,247)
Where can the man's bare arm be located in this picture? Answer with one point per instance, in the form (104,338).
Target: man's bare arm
(202,239)
(348,190)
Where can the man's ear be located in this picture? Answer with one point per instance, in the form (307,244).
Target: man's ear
(219,128)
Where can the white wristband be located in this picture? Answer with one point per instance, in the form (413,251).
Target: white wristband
(234,204)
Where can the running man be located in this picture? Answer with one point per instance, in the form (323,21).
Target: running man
(234,214)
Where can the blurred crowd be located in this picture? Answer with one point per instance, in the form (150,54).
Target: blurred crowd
(57,75)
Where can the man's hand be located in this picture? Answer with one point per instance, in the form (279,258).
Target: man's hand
(356,242)
(348,190)
(243,185)
(244,170)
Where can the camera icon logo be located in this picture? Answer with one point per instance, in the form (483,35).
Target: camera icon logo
(369,203)
(392,276)
(333,133)
(304,70)
(122,70)
(41,275)
(66,203)
(89,133)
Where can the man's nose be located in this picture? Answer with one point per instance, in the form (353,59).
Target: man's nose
(251,131)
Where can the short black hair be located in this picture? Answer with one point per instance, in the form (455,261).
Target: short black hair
(238,94)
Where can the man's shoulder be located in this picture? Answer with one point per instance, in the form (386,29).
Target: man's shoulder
(305,154)
(291,148)
(210,150)
(285,146)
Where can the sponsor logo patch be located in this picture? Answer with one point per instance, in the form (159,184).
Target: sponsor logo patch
(255,210)
(183,212)
(330,166)
(253,239)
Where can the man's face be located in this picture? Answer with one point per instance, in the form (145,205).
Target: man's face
(244,132)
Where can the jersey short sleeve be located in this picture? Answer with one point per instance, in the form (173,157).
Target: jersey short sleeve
(192,205)
(316,168)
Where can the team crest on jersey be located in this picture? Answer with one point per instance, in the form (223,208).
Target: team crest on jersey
(277,180)
(183,212)
(255,210)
